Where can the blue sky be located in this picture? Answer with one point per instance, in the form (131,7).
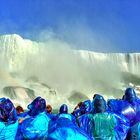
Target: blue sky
(98,25)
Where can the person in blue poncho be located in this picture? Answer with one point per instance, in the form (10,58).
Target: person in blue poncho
(134,103)
(103,123)
(83,120)
(35,125)
(85,107)
(8,120)
(77,110)
(123,123)
(65,128)
(129,106)
(134,132)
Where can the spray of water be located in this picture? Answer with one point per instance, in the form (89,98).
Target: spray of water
(55,63)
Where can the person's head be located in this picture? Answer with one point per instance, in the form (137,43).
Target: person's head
(130,95)
(78,105)
(37,106)
(49,109)
(63,109)
(7,111)
(99,104)
(19,109)
(85,107)
(94,96)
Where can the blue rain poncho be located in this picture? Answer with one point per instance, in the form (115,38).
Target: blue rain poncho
(130,110)
(134,132)
(35,125)
(83,109)
(116,107)
(134,103)
(103,126)
(76,113)
(83,120)
(8,120)
(85,124)
(65,128)
(103,123)
(122,126)
(8,132)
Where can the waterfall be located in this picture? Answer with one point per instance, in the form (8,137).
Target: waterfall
(54,63)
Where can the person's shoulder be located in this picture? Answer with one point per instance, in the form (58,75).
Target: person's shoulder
(68,116)
(2,124)
(90,116)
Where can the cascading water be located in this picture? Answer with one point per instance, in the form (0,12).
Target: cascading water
(53,70)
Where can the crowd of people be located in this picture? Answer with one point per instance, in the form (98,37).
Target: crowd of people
(96,119)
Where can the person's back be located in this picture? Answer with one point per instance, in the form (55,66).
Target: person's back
(65,128)
(35,127)
(103,126)
(35,124)
(103,123)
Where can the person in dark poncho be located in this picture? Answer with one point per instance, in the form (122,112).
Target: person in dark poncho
(65,128)
(35,125)
(8,120)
